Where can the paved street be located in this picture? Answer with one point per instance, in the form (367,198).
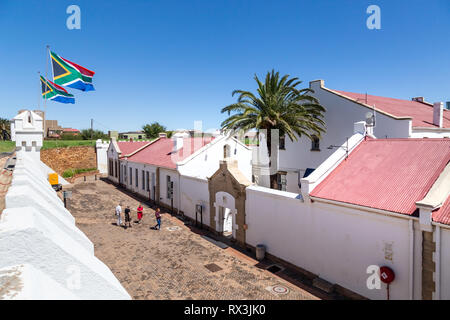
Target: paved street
(167,264)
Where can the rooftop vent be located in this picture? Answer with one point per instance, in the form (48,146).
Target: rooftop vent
(418,99)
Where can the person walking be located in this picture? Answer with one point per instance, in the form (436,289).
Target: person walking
(158,219)
(127,217)
(140,212)
(119,215)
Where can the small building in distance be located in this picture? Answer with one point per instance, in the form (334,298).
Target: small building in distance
(135,135)
(113,135)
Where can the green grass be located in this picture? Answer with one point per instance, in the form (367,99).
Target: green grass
(71,172)
(51,144)
(7,146)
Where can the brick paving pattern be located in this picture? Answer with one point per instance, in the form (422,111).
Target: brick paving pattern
(165,264)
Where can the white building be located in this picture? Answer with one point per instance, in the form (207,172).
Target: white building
(150,168)
(372,203)
(393,118)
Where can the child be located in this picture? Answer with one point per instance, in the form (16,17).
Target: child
(140,211)
(158,219)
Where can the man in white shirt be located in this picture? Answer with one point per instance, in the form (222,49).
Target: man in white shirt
(119,215)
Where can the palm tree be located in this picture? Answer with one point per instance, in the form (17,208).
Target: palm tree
(279,104)
(5,129)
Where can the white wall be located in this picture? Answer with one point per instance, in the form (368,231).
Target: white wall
(174,176)
(205,162)
(112,155)
(102,156)
(340,116)
(36,230)
(444,264)
(334,242)
(194,191)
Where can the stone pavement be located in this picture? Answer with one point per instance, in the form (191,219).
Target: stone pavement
(170,263)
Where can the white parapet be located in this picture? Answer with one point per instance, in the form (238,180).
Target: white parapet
(27,236)
(24,282)
(42,251)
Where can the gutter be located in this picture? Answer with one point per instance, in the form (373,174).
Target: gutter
(368,209)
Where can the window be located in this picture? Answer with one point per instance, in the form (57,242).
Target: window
(137,177)
(147,180)
(168,186)
(110,167)
(315,143)
(281,180)
(131,176)
(282,145)
(117,169)
(226,151)
(143,180)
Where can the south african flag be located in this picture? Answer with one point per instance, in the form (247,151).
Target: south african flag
(69,74)
(52,91)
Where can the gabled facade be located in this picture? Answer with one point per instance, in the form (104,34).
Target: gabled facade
(151,168)
(393,118)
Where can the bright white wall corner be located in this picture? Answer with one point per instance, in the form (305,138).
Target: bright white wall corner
(24,282)
(102,156)
(38,237)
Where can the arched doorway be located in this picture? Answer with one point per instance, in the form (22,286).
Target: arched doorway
(225,214)
(227,201)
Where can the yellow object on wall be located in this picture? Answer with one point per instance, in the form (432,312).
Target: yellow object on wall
(53,178)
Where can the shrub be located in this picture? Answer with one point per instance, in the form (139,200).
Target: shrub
(69,173)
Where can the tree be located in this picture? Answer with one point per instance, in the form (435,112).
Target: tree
(89,134)
(5,129)
(152,130)
(278,104)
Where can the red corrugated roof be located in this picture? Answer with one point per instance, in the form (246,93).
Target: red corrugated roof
(127,147)
(387,174)
(160,152)
(442,215)
(70,130)
(421,113)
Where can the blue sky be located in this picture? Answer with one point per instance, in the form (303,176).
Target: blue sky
(178,61)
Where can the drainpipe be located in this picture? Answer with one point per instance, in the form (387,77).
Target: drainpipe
(179,194)
(411,259)
(437,259)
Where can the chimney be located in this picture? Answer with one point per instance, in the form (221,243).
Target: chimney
(177,143)
(438,113)
(162,135)
(418,99)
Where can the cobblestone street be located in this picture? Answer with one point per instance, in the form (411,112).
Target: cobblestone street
(170,263)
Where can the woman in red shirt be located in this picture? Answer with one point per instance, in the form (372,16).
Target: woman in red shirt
(140,211)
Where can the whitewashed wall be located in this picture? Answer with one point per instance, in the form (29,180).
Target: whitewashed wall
(112,155)
(340,116)
(174,176)
(194,191)
(36,230)
(205,162)
(336,243)
(444,264)
(102,156)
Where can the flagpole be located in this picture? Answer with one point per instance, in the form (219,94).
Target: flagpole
(40,91)
(45,99)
